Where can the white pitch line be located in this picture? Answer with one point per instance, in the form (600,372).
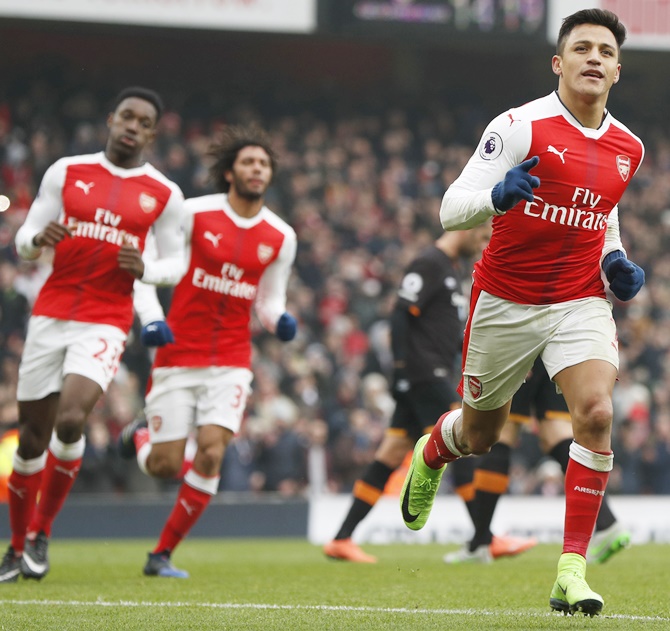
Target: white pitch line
(405,610)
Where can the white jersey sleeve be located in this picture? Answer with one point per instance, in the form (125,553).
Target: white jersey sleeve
(47,207)
(612,237)
(467,202)
(170,263)
(271,297)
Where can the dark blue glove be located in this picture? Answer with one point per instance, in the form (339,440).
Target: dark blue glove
(287,327)
(625,278)
(517,185)
(156,333)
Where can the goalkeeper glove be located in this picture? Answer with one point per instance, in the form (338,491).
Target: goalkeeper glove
(287,327)
(625,278)
(156,333)
(517,185)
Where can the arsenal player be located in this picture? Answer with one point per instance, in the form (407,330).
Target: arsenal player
(240,256)
(95,211)
(551,174)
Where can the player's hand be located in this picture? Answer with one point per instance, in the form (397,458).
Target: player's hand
(400,383)
(517,185)
(52,234)
(156,333)
(625,278)
(130,259)
(287,327)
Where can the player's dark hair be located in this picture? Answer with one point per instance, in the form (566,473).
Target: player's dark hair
(231,141)
(141,93)
(600,17)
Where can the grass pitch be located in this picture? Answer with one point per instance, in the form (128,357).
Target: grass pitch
(289,585)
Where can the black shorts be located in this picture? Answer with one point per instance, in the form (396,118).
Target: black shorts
(538,397)
(418,409)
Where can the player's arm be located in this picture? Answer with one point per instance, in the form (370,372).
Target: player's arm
(270,302)
(42,226)
(625,277)
(494,179)
(169,231)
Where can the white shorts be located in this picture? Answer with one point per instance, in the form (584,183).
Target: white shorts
(55,348)
(503,338)
(183,398)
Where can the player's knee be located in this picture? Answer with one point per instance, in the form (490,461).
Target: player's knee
(209,459)
(598,416)
(33,440)
(163,465)
(70,426)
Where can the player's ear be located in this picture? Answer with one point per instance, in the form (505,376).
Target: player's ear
(228,175)
(557,65)
(110,117)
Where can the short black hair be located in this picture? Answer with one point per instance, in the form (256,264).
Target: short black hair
(141,93)
(232,140)
(600,17)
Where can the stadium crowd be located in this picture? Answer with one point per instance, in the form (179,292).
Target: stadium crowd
(362,188)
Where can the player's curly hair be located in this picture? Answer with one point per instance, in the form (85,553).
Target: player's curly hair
(145,94)
(225,149)
(600,17)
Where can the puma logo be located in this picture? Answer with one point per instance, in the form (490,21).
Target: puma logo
(187,507)
(70,473)
(84,187)
(20,493)
(214,238)
(552,149)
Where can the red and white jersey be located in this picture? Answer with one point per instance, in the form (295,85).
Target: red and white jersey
(104,206)
(234,263)
(548,250)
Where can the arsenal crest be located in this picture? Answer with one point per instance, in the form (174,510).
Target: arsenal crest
(265,252)
(147,202)
(623,166)
(475,387)
(156,422)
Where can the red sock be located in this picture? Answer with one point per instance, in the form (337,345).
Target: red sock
(22,497)
(436,453)
(141,438)
(190,504)
(59,476)
(584,490)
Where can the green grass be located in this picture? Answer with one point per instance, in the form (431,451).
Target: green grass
(290,585)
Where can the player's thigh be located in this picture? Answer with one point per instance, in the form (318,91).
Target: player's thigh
(222,397)
(171,403)
(502,341)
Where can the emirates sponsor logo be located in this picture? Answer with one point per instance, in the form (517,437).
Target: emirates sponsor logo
(623,166)
(475,387)
(102,232)
(265,252)
(581,213)
(223,285)
(588,491)
(156,422)
(147,202)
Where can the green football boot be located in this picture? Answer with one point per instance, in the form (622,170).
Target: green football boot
(605,544)
(571,594)
(420,488)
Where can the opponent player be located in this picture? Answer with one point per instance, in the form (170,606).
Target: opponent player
(551,173)
(95,211)
(426,337)
(537,398)
(240,255)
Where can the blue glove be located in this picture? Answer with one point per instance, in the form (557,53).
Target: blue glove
(517,185)
(625,278)
(287,327)
(156,333)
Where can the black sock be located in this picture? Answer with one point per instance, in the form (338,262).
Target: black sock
(497,461)
(376,477)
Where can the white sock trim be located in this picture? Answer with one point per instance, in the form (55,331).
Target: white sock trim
(28,467)
(65,451)
(201,483)
(591,459)
(142,456)
(448,432)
